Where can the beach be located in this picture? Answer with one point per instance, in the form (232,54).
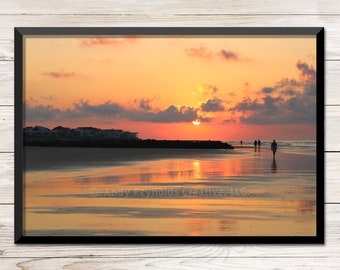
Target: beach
(170,192)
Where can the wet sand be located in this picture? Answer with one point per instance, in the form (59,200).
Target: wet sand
(162,192)
(64,158)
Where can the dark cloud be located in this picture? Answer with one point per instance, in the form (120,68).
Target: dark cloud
(289,92)
(108,108)
(84,109)
(229,55)
(176,114)
(169,115)
(105,41)
(295,105)
(41,113)
(288,87)
(212,105)
(144,104)
(272,104)
(246,105)
(311,88)
(61,74)
(263,109)
(296,110)
(267,90)
(284,83)
(306,70)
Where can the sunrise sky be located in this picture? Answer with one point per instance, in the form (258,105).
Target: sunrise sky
(237,88)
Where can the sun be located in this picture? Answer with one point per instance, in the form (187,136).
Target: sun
(196,122)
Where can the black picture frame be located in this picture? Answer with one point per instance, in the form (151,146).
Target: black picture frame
(21,32)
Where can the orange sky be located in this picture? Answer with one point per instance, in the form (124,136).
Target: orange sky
(239,88)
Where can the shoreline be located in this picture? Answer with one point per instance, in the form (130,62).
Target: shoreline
(100,188)
(149,143)
(45,158)
(78,158)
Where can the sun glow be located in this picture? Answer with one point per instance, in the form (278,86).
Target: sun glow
(196,122)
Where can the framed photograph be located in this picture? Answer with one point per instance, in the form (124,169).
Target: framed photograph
(169,135)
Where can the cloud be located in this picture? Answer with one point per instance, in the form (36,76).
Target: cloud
(41,113)
(203,52)
(229,55)
(115,110)
(105,41)
(212,105)
(288,102)
(83,109)
(207,90)
(288,87)
(60,74)
(246,105)
(267,90)
(108,108)
(51,97)
(293,111)
(263,109)
(289,92)
(144,104)
(306,70)
(169,115)
(200,52)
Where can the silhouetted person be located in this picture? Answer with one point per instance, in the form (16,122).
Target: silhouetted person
(255,145)
(274,148)
(241,143)
(259,143)
(274,166)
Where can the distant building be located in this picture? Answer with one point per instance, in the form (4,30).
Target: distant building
(61,131)
(127,135)
(111,133)
(88,132)
(118,134)
(64,133)
(37,130)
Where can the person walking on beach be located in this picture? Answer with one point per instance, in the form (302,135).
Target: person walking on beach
(259,143)
(274,148)
(255,144)
(241,143)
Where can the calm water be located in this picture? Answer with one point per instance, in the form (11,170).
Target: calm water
(89,191)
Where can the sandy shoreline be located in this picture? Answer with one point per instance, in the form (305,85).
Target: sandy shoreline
(169,192)
(64,158)
(45,158)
